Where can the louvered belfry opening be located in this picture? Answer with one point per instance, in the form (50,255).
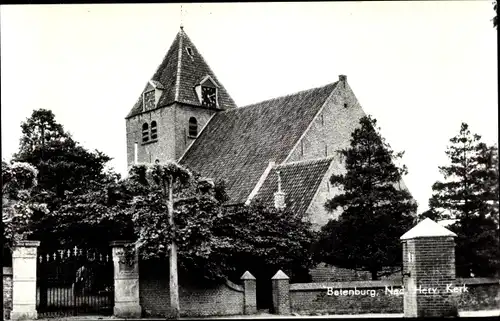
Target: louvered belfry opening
(193,127)
(145,132)
(154,130)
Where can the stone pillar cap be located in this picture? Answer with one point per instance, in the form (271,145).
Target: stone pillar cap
(27,243)
(280,275)
(247,276)
(427,228)
(120,243)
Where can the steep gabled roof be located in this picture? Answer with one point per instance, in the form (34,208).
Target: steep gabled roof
(179,72)
(237,144)
(299,182)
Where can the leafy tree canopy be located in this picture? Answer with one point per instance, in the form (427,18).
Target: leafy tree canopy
(18,207)
(215,241)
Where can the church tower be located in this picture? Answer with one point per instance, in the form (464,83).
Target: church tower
(176,103)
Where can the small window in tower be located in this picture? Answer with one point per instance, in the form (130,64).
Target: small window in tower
(193,127)
(145,132)
(154,131)
(189,51)
(345,105)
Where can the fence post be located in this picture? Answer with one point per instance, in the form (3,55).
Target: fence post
(126,281)
(429,271)
(281,293)
(24,261)
(250,296)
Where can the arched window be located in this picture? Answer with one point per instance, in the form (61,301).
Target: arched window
(154,132)
(145,132)
(193,127)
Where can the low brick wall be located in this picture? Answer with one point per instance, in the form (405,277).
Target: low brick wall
(7,292)
(346,297)
(194,299)
(483,294)
(384,296)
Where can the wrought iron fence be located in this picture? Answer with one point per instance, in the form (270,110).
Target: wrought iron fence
(75,282)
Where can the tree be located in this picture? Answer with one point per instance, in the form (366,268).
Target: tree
(469,195)
(217,242)
(18,209)
(265,239)
(69,178)
(376,211)
(91,216)
(63,165)
(167,176)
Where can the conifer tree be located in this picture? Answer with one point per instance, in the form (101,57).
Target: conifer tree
(68,175)
(469,195)
(376,209)
(63,165)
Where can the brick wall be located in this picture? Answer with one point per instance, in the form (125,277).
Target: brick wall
(330,131)
(346,297)
(182,115)
(172,125)
(376,296)
(163,148)
(194,299)
(332,127)
(7,292)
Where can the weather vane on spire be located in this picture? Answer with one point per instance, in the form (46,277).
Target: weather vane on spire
(182,27)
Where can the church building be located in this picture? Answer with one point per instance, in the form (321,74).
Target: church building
(281,151)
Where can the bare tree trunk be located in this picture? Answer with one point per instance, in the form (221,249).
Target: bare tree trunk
(174,286)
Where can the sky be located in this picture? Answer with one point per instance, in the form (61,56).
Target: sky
(421,68)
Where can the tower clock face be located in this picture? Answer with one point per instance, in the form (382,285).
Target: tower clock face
(208,96)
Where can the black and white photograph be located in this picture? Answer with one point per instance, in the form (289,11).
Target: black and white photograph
(250,160)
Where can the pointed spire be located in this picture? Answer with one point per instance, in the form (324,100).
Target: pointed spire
(182,69)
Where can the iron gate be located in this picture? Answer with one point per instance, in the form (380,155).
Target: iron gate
(75,282)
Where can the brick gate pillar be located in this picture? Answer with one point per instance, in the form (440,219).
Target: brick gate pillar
(126,275)
(24,260)
(429,271)
(281,293)
(249,286)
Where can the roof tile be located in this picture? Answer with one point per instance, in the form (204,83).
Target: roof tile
(299,182)
(237,144)
(192,69)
